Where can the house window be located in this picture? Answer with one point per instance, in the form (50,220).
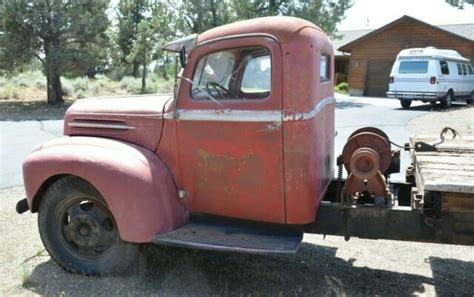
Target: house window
(444,67)
(324,68)
(459,69)
(240,73)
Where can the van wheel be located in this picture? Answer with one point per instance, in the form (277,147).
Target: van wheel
(405,103)
(79,231)
(470,101)
(448,100)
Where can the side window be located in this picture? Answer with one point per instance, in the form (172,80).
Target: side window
(459,68)
(444,67)
(324,68)
(469,69)
(464,69)
(239,73)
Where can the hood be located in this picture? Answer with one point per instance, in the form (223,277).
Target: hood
(135,119)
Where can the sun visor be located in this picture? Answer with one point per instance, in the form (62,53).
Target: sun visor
(189,43)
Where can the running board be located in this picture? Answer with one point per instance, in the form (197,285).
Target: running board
(221,235)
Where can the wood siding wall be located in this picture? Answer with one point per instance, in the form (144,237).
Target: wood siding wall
(385,46)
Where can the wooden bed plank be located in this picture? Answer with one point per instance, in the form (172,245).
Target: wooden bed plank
(449,169)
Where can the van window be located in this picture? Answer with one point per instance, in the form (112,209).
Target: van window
(469,68)
(444,67)
(239,73)
(464,69)
(324,68)
(413,67)
(459,69)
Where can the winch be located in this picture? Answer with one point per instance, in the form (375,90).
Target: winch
(369,161)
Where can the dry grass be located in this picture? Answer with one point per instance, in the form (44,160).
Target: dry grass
(461,119)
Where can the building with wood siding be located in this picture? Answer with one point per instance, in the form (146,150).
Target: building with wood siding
(365,57)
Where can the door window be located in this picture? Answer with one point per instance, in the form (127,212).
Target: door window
(459,69)
(240,73)
(464,69)
(469,69)
(444,67)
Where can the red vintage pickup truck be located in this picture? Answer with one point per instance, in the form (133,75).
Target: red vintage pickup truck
(239,158)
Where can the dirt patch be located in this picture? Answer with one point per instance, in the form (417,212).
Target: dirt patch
(21,110)
(461,119)
(331,267)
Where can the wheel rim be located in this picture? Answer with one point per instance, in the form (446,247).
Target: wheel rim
(86,227)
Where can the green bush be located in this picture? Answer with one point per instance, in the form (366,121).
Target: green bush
(342,88)
(131,84)
(80,84)
(9,91)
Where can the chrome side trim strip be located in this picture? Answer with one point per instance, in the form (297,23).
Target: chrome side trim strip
(247,115)
(229,115)
(303,116)
(96,125)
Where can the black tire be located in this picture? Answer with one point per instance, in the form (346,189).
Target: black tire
(470,101)
(79,232)
(447,101)
(405,103)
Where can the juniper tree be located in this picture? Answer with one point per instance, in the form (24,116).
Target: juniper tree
(59,33)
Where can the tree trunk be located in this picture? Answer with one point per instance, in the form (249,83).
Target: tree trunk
(144,79)
(53,77)
(164,73)
(136,68)
(53,81)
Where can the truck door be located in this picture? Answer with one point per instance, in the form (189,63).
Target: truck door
(229,126)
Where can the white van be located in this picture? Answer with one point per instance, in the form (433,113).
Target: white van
(431,75)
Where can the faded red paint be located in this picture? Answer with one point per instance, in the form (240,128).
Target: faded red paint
(134,182)
(256,170)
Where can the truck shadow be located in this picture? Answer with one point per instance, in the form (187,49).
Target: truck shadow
(314,270)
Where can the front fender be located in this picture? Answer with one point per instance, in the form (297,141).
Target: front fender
(135,183)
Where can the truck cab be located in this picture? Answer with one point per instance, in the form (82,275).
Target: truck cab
(247,135)
(239,158)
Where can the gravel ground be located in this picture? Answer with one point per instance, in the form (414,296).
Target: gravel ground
(329,266)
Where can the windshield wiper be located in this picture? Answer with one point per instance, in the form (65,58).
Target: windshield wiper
(205,92)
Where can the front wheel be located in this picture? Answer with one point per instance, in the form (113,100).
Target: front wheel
(405,103)
(79,231)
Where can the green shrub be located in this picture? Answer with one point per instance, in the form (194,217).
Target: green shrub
(131,84)
(66,87)
(9,91)
(80,84)
(342,88)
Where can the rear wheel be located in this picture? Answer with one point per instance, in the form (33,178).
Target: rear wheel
(405,103)
(79,231)
(448,100)
(470,101)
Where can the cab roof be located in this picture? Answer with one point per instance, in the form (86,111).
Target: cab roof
(281,27)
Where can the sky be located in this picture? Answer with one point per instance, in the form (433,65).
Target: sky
(372,14)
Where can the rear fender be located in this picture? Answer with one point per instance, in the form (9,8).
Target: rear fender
(135,183)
